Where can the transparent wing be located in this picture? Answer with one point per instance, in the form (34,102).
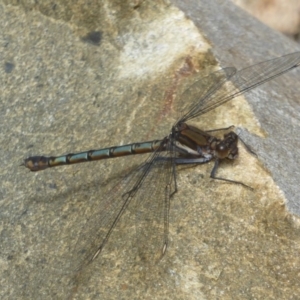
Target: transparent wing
(241,81)
(152,205)
(202,88)
(145,192)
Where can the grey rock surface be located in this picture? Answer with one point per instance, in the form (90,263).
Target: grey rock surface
(80,76)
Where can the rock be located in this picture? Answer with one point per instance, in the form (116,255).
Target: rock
(111,72)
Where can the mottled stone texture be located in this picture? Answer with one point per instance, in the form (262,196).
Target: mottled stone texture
(78,75)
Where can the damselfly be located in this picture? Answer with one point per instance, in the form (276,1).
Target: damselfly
(151,185)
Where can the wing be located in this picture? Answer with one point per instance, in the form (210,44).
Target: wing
(145,191)
(152,206)
(241,81)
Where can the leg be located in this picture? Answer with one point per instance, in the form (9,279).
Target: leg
(213,176)
(247,147)
(174,178)
(202,160)
(220,129)
(192,161)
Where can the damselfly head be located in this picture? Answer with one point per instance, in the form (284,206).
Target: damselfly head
(227,148)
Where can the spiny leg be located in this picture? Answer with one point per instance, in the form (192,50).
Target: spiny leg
(247,147)
(221,129)
(213,176)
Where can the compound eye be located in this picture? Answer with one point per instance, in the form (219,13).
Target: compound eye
(222,150)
